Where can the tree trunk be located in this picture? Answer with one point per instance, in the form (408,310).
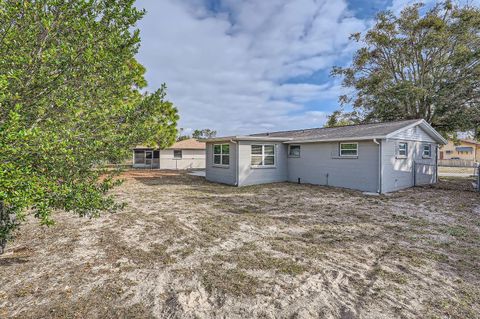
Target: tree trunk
(3,228)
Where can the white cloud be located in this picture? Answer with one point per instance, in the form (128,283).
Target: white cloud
(227,71)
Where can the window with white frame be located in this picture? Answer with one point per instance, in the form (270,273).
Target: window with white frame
(294,150)
(221,154)
(348,149)
(427,151)
(402,149)
(262,155)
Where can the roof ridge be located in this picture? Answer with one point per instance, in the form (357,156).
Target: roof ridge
(340,126)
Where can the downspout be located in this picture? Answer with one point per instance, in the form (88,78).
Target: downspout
(380,171)
(236,161)
(436,163)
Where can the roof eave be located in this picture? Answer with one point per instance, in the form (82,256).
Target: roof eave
(343,139)
(246,138)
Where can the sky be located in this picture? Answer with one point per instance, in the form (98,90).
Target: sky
(247,66)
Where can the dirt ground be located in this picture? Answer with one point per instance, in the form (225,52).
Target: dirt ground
(186,248)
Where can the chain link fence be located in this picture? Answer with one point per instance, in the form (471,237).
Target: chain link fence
(448,175)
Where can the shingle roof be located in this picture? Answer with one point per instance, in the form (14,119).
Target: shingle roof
(189,144)
(341,132)
(470,141)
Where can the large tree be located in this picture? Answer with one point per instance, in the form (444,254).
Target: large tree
(424,63)
(338,118)
(70,101)
(204,133)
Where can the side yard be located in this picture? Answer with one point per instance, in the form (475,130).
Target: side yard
(186,248)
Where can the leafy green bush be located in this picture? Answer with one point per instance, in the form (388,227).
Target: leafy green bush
(71,99)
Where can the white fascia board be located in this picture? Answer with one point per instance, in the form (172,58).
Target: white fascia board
(434,132)
(353,139)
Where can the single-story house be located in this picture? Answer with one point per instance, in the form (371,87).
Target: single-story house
(462,149)
(380,157)
(186,154)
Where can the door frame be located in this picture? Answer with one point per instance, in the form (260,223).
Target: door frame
(149,161)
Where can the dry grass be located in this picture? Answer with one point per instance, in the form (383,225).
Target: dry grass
(186,248)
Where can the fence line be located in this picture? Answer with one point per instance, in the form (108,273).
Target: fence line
(457,163)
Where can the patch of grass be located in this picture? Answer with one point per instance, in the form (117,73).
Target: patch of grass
(229,281)
(297,248)
(457,231)
(396,277)
(248,258)
(185,251)
(419,222)
(220,227)
(439,257)
(466,306)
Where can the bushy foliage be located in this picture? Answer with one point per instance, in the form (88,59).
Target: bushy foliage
(71,100)
(337,118)
(424,63)
(205,133)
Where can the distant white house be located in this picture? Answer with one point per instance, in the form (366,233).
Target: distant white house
(186,154)
(379,157)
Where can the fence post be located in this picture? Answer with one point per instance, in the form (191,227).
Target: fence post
(478,177)
(414,173)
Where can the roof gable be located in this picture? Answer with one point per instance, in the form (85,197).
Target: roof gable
(419,131)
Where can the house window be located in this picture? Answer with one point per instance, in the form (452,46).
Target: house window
(294,150)
(427,151)
(139,157)
(402,149)
(156,154)
(449,152)
(177,154)
(221,154)
(348,149)
(263,155)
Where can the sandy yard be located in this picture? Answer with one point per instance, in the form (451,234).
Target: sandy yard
(186,248)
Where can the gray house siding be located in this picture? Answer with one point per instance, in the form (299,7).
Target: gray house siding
(249,175)
(398,172)
(218,173)
(320,163)
(378,167)
(415,133)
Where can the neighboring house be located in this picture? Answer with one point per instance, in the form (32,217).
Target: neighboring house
(463,149)
(373,157)
(186,154)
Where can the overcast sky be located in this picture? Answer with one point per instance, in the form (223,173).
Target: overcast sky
(253,65)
